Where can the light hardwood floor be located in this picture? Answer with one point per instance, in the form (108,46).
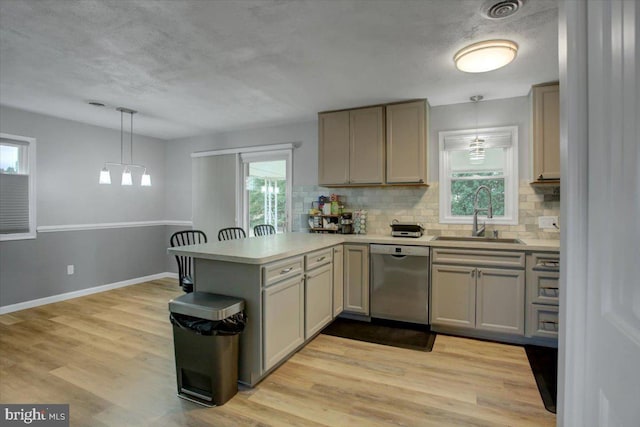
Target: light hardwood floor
(110,356)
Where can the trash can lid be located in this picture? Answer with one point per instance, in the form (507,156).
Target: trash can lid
(206,306)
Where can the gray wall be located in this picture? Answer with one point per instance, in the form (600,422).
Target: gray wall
(178,176)
(69,158)
(500,112)
(37,268)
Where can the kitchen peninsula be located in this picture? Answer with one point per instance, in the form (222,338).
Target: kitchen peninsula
(290,283)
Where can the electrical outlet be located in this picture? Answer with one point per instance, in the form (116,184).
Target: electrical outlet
(548,222)
(70,269)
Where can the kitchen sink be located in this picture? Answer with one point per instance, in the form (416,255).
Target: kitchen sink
(477,239)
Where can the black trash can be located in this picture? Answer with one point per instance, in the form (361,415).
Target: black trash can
(206,330)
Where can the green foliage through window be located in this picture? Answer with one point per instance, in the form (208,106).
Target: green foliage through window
(463,191)
(267,202)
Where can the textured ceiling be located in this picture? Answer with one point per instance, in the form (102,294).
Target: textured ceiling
(195,66)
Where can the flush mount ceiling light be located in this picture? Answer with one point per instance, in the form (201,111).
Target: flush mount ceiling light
(485,56)
(127,179)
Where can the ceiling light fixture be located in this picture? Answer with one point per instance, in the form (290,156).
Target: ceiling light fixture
(127,179)
(476,147)
(485,56)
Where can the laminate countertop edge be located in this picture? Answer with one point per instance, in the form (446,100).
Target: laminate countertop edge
(266,249)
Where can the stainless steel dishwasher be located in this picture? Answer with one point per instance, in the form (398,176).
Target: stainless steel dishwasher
(400,283)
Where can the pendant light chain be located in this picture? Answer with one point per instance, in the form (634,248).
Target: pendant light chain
(131,140)
(121,137)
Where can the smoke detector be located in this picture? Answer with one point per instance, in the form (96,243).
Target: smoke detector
(500,9)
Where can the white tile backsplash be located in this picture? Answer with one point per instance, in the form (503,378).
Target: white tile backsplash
(421,204)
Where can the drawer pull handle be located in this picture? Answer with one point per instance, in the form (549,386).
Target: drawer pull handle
(555,288)
(545,323)
(286,270)
(320,259)
(547,269)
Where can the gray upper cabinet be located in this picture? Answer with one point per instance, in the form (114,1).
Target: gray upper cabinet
(366,156)
(333,148)
(378,145)
(351,147)
(546,132)
(407,142)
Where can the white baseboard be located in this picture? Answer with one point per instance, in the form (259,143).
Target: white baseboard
(82,292)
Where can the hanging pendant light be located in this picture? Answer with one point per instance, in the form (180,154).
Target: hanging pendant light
(127,178)
(105,176)
(145,181)
(476,147)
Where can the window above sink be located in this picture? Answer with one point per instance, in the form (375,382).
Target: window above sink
(461,174)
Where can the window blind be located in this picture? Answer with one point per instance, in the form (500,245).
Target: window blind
(14,203)
(461,140)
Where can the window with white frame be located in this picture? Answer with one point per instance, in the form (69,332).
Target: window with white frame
(17,187)
(461,173)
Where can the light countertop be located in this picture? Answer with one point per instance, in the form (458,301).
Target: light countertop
(265,249)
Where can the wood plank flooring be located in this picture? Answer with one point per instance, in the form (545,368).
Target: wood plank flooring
(110,356)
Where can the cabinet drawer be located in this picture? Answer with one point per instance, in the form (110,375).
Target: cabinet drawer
(318,258)
(543,321)
(478,257)
(543,261)
(544,287)
(273,273)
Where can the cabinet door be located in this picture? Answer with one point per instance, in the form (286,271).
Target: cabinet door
(318,299)
(333,148)
(283,315)
(338,280)
(500,300)
(453,295)
(406,143)
(356,277)
(546,132)
(366,158)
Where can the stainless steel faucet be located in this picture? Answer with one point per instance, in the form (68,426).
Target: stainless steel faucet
(480,232)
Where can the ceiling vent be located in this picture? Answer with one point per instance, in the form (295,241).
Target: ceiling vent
(501,9)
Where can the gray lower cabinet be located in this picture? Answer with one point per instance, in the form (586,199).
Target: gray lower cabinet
(283,319)
(318,310)
(318,286)
(453,296)
(500,300)
(356,279)
(297,302)
(338,280)
(470,291)
(543,295)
